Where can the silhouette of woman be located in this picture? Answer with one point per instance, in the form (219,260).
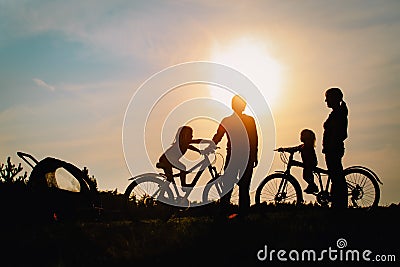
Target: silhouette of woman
(335,132)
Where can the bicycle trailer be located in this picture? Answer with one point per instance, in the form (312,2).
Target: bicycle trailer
(59,188)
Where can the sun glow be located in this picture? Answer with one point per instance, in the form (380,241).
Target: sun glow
(251,58)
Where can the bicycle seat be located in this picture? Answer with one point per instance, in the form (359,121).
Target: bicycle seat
(160,165)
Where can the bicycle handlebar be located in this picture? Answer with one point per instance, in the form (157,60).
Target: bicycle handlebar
(205,157)
(25,157)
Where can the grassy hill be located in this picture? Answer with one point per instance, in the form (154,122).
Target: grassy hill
(196,238)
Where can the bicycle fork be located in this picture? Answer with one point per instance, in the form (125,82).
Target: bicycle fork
(282,191)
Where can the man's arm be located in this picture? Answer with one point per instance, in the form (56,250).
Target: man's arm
(220,133)
(253,139)
(194,148)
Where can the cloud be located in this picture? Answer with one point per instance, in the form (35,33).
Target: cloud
(43,84)
(145,32)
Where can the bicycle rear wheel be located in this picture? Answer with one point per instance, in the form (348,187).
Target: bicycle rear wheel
(362,188)
(279,188)
(148,190)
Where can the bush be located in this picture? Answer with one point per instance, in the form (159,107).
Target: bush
(9,172)
(13,193)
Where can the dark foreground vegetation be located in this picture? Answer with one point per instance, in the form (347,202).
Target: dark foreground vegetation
(57,228)
(192,238)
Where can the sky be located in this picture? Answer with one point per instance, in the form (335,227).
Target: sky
(68,72)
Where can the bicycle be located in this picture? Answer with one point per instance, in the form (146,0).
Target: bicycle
(282,187)
(153,188)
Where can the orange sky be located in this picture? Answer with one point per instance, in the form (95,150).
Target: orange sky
(69,70)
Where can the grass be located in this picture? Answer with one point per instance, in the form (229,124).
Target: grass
(193,238)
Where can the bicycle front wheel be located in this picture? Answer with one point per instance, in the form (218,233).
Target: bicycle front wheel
(214,191)
(148,190)
(279,188)
(362,188)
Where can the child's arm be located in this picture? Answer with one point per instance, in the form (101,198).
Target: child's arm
(204,141)
(198,141)
(194,149)
(290,149)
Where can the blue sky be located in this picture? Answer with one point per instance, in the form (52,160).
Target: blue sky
(69,69)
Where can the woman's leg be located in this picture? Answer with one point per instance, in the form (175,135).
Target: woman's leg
(339,186)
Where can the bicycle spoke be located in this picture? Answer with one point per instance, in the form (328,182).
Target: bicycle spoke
(362,189)
(138,191)
(148,190)
(214,191)
(277,190)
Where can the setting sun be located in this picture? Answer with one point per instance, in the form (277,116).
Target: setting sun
(250,57)
(122,141)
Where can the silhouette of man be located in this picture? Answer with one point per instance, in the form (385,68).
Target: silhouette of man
(242,149)
(335,132)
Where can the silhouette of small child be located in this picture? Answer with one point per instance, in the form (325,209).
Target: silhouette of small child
(309,158)
(170,158)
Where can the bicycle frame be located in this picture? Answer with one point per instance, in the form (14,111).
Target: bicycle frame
(165,185)
(322,195)
(202,165)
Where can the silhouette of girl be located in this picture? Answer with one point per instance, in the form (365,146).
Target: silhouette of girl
(335,132)
(308,156)
(170,158)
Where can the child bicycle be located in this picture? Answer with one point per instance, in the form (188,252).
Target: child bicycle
(153,188)
(282,187)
